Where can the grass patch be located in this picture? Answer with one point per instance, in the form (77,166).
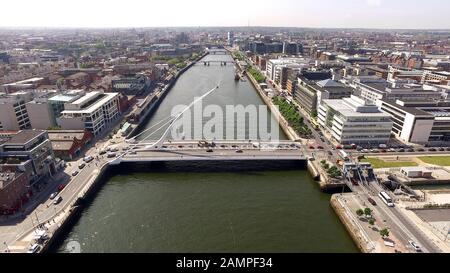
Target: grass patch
(436,160)
(379,164)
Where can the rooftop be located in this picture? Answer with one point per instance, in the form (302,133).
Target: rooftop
(355,107)
(24,137)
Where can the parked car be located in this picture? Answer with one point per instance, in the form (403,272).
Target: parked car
(410,150)
(239,151)
(320,147)
(82,165)
(74,173)
(111,155)
(441,150)
(432,150)
(330,153)
(88,159)
(401,150)
(57,200)
(34,248)
(311,147)
(53,195)
(371,201)
(61,187)
(209,151)
(421,150)
(102,152)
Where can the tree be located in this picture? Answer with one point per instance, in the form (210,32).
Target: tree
(367,212)
(360,212)
(384,233)
(372,221)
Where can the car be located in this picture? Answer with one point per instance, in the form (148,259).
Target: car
(320,147)
(239,151)
(234,146)
(82,165)
(132,152)
(126,148)
(330,153)
(416,247)
(74,173)
(223,146)
(339,147)
(311,147)
(371,201)
(53,195)
(401,150)
(410,150)
(441,150)
(34,248)
(448,149)
(61,187)
(57,200)
(88,159)
(209,151)
(111,155)
(392,150)
(421,150)
(115,149)
(432,150)
(102,152)
(383,151)
(180,146)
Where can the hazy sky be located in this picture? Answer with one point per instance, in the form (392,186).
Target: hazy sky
(293,13)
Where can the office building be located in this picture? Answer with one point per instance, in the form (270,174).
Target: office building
(354,121)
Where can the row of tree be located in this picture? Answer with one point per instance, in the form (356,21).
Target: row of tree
(291,114)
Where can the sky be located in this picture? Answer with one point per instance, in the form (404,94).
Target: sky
(405,14)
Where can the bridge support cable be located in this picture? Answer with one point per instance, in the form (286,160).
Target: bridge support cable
(148,129)
(160,142)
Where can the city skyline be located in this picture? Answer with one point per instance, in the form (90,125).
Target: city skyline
(372,14)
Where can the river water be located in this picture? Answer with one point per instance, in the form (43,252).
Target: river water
(209,207)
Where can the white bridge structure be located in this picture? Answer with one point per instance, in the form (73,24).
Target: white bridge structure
(201,150)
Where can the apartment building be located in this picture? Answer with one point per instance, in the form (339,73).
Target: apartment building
(354,121)
(93,112)
(13,112)
(33,146)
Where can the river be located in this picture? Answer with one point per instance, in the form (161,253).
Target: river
(209,207)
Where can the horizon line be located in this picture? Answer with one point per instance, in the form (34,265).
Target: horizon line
(248,27)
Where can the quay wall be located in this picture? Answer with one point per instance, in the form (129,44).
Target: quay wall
(353,230)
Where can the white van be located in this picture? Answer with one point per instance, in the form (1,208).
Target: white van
(34,248)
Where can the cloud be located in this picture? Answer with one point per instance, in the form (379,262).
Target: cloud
(373,3)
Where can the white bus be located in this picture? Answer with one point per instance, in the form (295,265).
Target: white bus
(386,199)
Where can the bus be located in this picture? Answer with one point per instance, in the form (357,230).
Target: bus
(386,199)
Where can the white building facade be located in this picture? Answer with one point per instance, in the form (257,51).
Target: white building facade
(93,112)
(354,121)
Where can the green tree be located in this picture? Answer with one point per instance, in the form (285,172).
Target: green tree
(360,212)
(367,212)
(384,233)
(372,221)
